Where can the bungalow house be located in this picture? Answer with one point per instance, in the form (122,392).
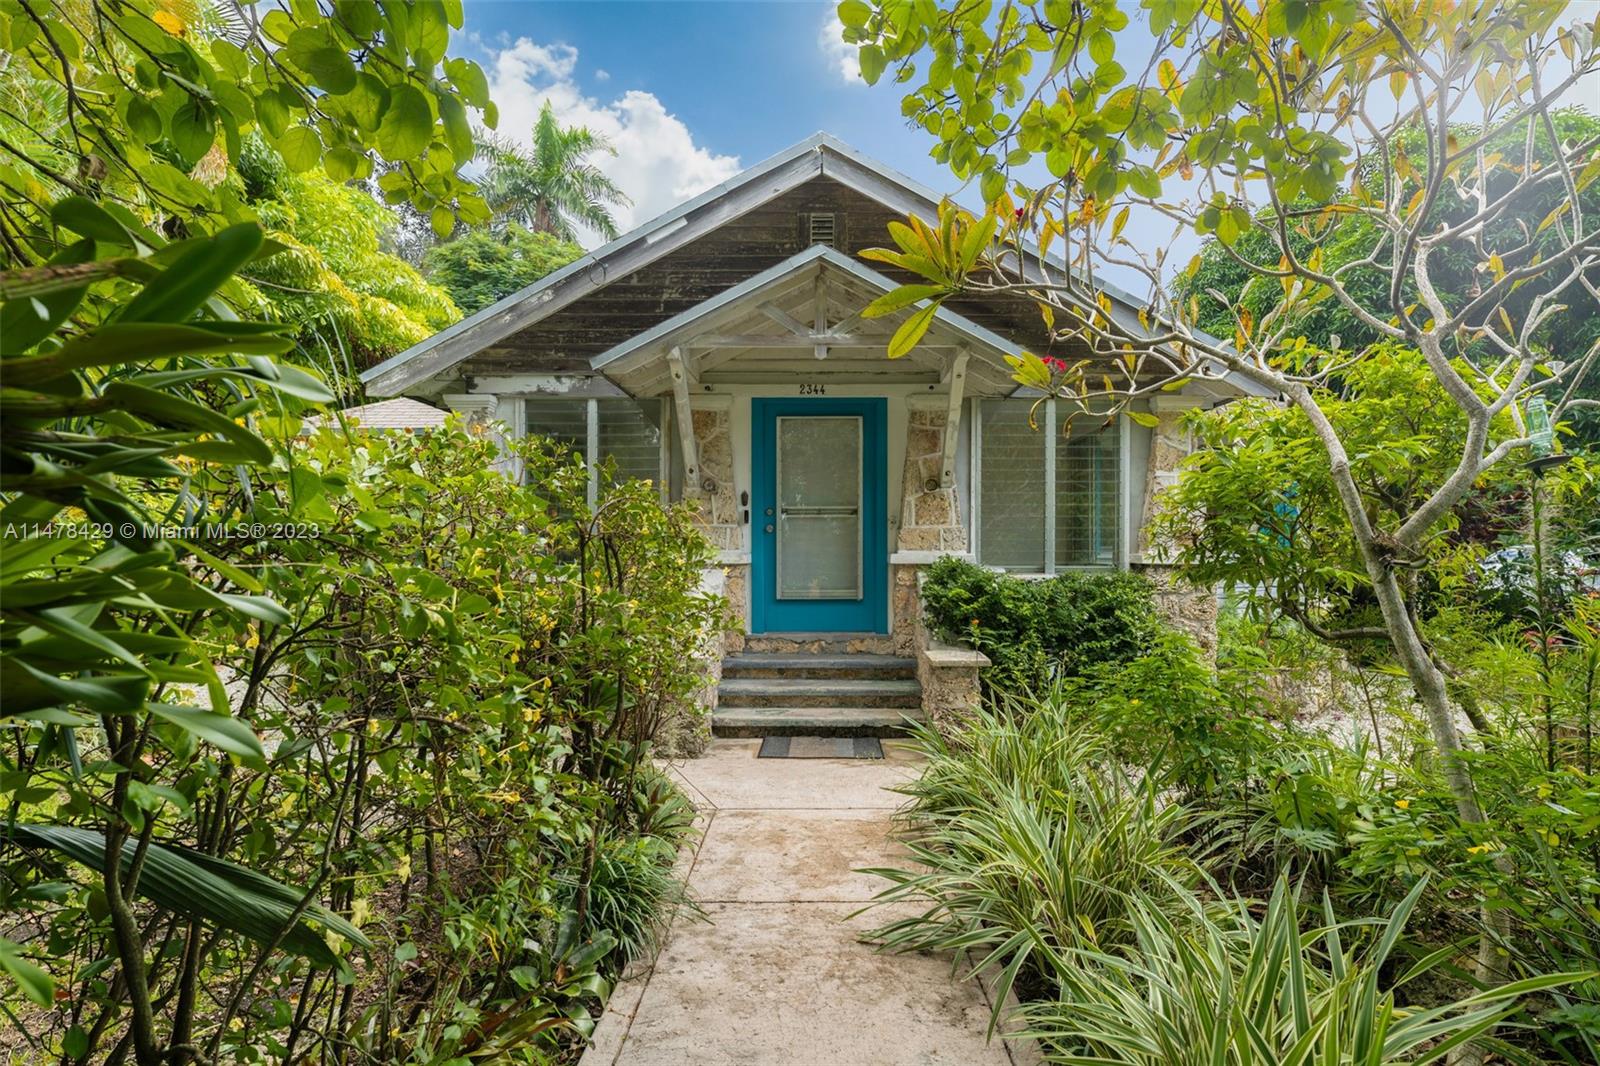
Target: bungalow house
(719,350)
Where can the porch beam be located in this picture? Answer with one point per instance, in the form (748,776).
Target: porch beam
(786,320)
(780,340)
(952,418)
(680,399)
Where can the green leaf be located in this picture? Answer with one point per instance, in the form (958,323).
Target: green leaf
(469,80)
(32,689)
(121,343)
(193,130)
(911,331)
(314,51)
(26,321)
(443,221)
(144,122)
(82,215)
(457,130)
(183,287)
(407,125)
(34,982)
(301,149)
(1101,47)
(224,731)
(873,62)
(208,889)
(273,114)
(854,13)
(895,299)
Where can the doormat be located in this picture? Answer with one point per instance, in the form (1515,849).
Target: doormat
(820,748)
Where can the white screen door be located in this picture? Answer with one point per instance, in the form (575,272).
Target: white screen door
(819,507)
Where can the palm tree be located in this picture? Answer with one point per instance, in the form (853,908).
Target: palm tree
(551,187)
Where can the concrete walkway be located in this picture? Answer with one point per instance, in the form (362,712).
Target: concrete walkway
(776,976)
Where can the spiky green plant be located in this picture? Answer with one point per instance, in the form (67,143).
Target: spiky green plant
(1215,985)
(1027,843)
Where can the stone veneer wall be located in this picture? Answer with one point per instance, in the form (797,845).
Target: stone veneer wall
(930,517)
(1186,608)
(719,507)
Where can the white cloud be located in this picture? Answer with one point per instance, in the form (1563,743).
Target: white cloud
(658,164)
(841,55)
(602,75)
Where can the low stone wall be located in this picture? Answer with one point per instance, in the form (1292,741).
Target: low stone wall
(1187,608)
(684,730)
(949,677)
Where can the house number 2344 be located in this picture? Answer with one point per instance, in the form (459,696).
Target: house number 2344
(813,390)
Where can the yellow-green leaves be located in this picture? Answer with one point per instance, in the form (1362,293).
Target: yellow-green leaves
(944,256)
(911,331)
(904,296)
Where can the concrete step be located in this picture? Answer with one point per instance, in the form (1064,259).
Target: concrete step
(818,692)
(812,721)
(843,667)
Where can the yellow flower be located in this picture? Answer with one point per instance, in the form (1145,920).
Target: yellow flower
(1402,804)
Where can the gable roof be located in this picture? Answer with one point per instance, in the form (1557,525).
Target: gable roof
(401,412)
(632,360)
(821,154)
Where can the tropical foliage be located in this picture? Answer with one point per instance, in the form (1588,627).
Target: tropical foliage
(319,748)
(143,105)
(484,265)
(354,302)
(1120,850)
(1269,117)
(551,186)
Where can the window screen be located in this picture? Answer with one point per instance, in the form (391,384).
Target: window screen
(1025,520)
(1011,500)
(630,433)
(1086,494)
(565,421)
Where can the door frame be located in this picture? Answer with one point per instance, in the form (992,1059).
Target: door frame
(870,614)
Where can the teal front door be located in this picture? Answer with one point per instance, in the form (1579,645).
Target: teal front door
(821,481)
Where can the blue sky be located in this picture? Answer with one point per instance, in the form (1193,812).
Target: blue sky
(693,91)
(690,92)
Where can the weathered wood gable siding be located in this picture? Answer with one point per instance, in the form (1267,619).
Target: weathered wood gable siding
(757,240)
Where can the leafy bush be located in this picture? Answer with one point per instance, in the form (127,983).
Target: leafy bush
(1035,631)
(481,266)
(457,701)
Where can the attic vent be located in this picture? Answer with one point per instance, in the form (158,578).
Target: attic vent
(823,229)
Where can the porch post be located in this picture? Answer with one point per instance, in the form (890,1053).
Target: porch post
(483,417)
(710,432)
(930,514)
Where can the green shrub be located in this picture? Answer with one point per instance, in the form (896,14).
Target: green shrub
(459,708)
(1035,631)
(1169,712)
